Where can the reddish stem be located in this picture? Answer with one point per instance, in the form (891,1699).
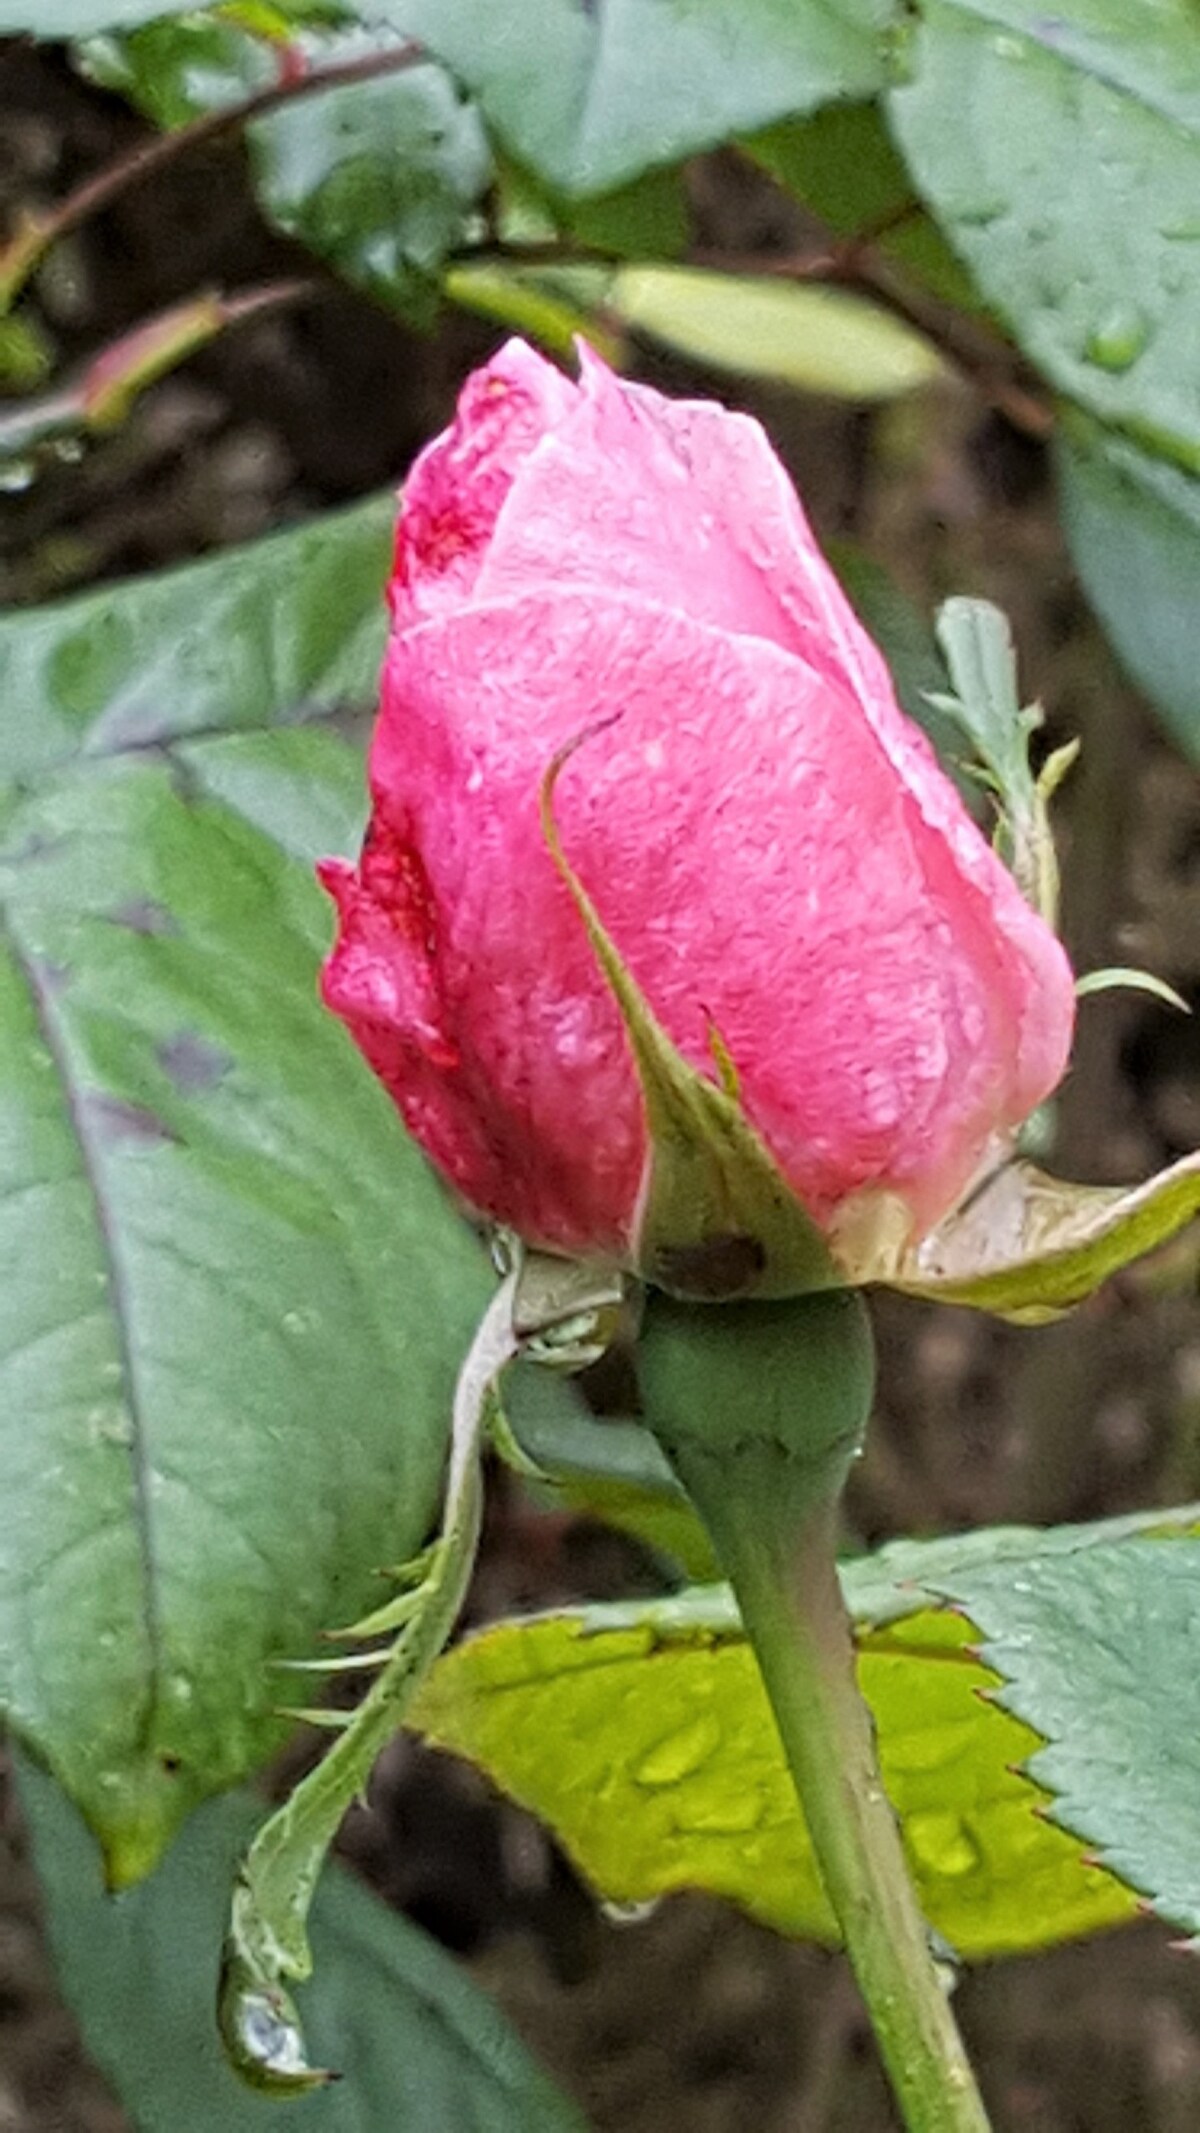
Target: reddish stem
(37,233)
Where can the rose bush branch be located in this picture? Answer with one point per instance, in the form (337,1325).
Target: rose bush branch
(36,233)
(101,397)
(761,1409)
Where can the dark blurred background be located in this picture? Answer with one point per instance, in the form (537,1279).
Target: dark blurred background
(692,2018)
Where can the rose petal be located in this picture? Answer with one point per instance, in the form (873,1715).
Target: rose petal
(684,502)
(869,989)
(456,487)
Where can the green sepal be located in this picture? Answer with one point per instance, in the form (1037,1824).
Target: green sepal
(1028,1247)
(1121,978)
(717,1220)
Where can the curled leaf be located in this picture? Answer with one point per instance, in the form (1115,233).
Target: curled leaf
(1028,1246)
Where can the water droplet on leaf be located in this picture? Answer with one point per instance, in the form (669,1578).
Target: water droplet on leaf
(943,1844)
(630,1914)
(733,1814)
(677,1755)
(1118,340)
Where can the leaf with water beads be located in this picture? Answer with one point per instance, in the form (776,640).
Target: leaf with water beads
(640,1733)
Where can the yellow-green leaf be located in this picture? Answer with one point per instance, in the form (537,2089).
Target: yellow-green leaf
(642,1735)
(823,340)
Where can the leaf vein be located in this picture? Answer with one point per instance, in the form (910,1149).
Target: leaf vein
(119,1288)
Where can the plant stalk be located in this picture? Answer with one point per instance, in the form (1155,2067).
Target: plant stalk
(787,1588)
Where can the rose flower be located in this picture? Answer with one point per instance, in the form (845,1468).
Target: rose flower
(770,845)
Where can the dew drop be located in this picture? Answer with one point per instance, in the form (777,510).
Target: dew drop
(921,1748)
(977,214)
(17,475)
(943,1844)
(111,1425)
(735,1815)
(1119,338)
(946,1961)
(630,1914)
(677,1755)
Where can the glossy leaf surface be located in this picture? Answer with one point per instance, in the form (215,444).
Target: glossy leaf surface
(589,99)
(237,1297)
(80,18)
(1133,523)
(379,179)
(275,634)
(1092,1660)
(1060,151)
(821,340)
(641,1733)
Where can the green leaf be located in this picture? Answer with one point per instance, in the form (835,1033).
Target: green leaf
(646,219)
(177,69)
(982,700)
(62,19)
(823,340)
(418,2043)
(609,1468)
(277,632)
(589,99)
(236,1295)
(81,18)
(640,1732)
(528,302)
(1095,1654)
(379,178)
(1133,523)
(841,164)
(1061,154)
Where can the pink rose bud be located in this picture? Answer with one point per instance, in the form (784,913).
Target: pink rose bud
(769,843)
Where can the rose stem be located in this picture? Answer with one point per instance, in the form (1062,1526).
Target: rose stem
(760,1407)
(786,1584)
